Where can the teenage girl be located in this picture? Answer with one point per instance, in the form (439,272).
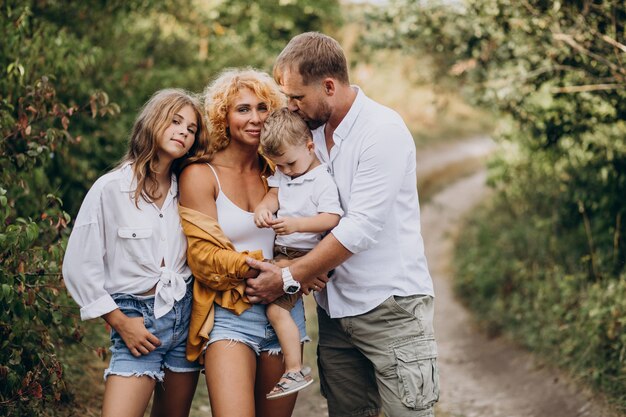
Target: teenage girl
(126,262)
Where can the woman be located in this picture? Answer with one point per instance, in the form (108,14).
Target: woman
(241,354)
(126,262)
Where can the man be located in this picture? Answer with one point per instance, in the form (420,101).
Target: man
(376,347)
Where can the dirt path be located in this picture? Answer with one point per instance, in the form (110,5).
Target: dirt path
(479,376)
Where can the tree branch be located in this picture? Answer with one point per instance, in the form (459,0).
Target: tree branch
(563,37)
(586,88)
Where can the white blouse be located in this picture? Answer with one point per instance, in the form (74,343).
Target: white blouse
(116,247)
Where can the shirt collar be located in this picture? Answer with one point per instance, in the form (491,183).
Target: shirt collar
(307,176)
(343,130)
(128,183)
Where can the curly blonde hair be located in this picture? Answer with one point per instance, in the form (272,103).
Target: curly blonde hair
(219,95)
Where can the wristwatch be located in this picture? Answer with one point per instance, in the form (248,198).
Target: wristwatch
(290,285)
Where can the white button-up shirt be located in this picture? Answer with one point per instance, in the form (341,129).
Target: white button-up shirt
(308,195)
(373,164)
(116,247)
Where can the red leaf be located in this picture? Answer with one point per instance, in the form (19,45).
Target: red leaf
(36,390)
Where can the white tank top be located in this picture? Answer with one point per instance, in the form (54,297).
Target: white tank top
(238,225)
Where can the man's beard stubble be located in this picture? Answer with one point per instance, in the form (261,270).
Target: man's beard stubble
(320,118)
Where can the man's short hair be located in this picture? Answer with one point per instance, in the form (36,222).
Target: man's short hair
(283,128)
(315,56)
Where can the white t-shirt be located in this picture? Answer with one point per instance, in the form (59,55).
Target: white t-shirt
(116,247)
(308,195)
(373,164)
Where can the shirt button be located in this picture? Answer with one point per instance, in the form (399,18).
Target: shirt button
(163,238)
(161,215)
(134,234)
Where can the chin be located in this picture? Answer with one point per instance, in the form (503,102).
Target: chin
(314,124)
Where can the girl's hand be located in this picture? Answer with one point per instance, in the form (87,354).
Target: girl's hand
(137,338)
(285,225)
(263,217)
(134,333)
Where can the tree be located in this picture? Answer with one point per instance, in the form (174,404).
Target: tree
(74,77)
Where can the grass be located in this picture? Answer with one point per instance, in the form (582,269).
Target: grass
(516,275)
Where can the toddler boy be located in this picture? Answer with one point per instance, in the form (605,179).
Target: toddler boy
(306,200)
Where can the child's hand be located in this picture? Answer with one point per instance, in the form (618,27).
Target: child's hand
(285,225)
(263,217)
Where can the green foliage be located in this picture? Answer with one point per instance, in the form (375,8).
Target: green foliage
(555,72)
(74,75)
(535,289)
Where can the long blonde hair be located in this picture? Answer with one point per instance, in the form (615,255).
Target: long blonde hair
(156,116)
(219,95)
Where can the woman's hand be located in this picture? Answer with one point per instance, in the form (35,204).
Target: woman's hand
(317,284)
(133,331)
(252,273)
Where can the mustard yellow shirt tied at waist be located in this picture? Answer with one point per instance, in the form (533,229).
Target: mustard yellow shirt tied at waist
(218,270)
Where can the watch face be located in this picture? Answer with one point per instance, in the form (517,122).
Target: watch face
(292,289)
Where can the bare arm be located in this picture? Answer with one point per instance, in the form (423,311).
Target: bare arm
(328,254)
(198,190)
(315,224)
(308,270)
(264,212)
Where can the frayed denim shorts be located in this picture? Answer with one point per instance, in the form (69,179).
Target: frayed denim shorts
(171,329)
(252,328)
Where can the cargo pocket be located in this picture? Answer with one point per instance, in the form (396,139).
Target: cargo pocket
(136,243)
(417,373)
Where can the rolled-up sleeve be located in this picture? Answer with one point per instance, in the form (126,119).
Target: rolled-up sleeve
(378,178)
(218,268)
(327,196)
(83,271)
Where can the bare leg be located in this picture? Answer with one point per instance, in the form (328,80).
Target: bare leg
(173,396)
(230,369)
(270,369)
(126,395)
(288,336)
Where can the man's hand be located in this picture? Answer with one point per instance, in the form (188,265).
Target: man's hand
(285,225)
(266,287)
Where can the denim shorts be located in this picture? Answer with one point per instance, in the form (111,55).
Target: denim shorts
(171,329)
(252,328)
